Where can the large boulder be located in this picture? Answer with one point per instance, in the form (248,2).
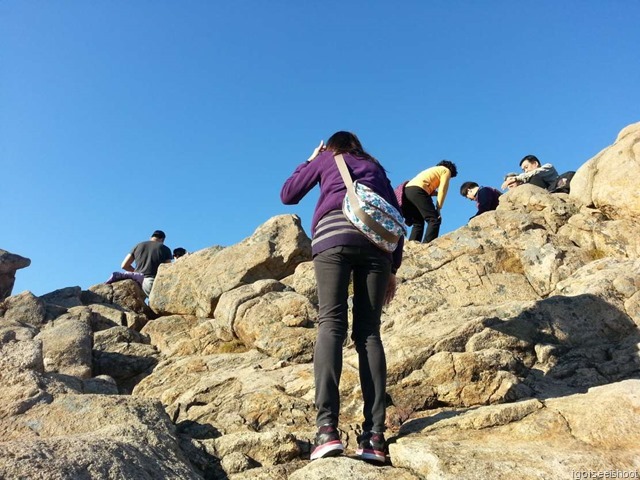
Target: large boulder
(609,181)
(126,294)
(234,392)
(194,285)
(21,364)
(67,345)
(264,317)
(49,429)
(123,354)
(92,436)
(23,311)
(68,297)
(9,263)
(555,438)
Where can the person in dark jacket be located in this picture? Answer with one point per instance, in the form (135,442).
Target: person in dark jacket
(534,173)
(487,198)
(340,250)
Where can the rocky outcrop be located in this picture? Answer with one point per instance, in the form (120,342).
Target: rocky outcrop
(609,180)
(194,285)
(9,263)
(59,421)
(92,436)
(512,350)
(554,438)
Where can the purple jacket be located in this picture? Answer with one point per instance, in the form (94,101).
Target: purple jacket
(323,170)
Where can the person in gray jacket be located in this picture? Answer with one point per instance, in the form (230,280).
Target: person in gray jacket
(543,176)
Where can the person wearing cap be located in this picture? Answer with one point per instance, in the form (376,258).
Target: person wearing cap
(148,256)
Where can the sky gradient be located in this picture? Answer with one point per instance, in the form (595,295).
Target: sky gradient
(118,118)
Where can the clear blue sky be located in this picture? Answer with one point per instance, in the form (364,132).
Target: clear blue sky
(121,117)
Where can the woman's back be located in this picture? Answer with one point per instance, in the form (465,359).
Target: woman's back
(323,170)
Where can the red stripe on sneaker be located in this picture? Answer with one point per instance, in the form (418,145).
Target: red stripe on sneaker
(328,449)
(370,454)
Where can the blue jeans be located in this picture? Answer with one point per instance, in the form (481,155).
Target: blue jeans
(371,270)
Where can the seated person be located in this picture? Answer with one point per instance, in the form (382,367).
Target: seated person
(486,198)
(147,256)
(510,181)
(562,183)
(543,176)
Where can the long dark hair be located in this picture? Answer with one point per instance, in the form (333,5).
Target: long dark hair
(347,142)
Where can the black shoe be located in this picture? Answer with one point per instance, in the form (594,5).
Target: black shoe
(327,443)
(371,446)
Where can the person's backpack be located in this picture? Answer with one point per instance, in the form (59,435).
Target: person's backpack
(376,218)
(399,192)
(562,184)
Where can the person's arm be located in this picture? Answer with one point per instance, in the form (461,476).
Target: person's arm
(442,190)
(303,179)
(391,289)
(526,176)
(127,263)
(396,256)
(509,182)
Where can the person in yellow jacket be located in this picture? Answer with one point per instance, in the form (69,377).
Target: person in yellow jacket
(418,206)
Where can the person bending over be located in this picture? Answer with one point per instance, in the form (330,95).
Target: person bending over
(486,198)
(419,206)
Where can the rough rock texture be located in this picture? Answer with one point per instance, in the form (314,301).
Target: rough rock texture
(67,345)
(303,281)
(24,309)
(92,436)
(9,263)
(64,298)
(528,440)
(194,285)
(124,355)
(253,310)
(56,423)
(609,181)
(512,350)
(233,392)
(126,294)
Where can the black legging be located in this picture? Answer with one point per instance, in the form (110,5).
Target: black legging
(420,208)
(371,270)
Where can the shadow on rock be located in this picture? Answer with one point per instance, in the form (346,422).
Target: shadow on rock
(567,344)
(126,369)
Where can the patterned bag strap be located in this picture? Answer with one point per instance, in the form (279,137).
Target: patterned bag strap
(355,203)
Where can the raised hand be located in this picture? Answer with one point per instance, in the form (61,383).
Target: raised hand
(320,148)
